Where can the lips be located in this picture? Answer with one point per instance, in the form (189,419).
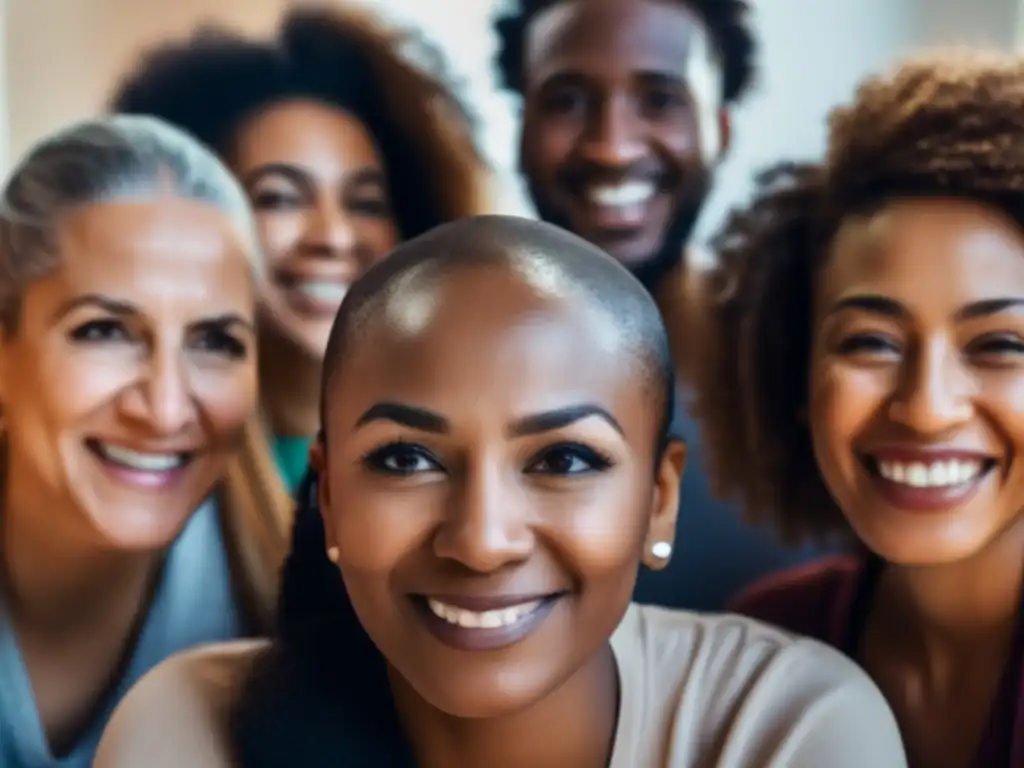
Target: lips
(923,480)
(483,623)
(138,460)
(622,205)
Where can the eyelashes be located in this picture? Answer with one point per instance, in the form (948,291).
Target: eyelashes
(564,459)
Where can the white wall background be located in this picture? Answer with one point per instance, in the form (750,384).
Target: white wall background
(61,55)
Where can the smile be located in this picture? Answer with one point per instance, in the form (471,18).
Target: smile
(501,617)
(321,292)
(622,206)
(622,195)
(483,623)
(928,481)
(938,474)
(139,468)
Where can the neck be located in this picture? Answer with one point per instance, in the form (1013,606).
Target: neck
(59,585)
(290,387)
(574,725)
(681,295)
(956,616)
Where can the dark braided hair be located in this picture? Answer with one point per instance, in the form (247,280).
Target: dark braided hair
(215,81)
(727,22)
(945,125)
(320,696)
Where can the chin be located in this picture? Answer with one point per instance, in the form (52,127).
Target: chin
(926,548)
(481,701)
(129,530)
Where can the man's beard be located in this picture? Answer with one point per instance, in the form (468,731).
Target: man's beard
(669,255)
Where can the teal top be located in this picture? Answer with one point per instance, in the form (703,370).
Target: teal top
(193,604)
(292,457)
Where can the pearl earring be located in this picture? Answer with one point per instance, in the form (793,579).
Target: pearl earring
(661,550)
(332,554)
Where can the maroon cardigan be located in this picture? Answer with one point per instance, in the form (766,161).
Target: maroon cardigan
(829,601)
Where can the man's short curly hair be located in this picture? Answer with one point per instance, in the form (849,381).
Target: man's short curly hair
(949,125)
(394,81)
(728,22)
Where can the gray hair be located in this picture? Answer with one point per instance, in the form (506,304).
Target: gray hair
(96,161)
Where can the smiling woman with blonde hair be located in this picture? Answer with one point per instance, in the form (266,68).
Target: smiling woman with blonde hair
(130,525)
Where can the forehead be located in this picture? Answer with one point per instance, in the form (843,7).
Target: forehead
(485,343)
(305,133)
(932,254)
(606,36)
(160,251)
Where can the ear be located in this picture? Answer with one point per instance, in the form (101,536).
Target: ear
(665,504)
(318,462)
(724,132)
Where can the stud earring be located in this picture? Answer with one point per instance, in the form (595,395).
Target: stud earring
(332,554)
(661,550)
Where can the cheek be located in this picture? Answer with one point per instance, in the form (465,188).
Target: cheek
(843,405)
(41,390)
(1002,400)
(379,236)
(600,529)
(547,144)
(375,528)
(227,399)
(279,234)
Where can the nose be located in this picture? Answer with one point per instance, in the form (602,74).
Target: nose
(935,392)
(486,527)
(329,231)
(161,398)
(615,138)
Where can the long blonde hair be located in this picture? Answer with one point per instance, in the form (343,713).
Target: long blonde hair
(118,157)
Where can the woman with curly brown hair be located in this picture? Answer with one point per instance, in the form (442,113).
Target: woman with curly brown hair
(347,139)
(869,378)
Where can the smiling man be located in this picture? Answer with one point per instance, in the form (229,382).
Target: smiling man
(626,115)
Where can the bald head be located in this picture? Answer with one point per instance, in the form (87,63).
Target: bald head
(553,264)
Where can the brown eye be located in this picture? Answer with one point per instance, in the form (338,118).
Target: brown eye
(220,341)
(868,344)
(569,459)
(98,331)
(401,459)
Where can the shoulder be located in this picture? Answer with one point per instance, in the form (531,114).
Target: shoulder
(802,599)
(178,712)
(766,696)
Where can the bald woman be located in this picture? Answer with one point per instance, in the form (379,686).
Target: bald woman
(490,477)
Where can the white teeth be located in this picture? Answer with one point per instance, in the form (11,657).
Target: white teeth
(935,475)
(327,293)
(501,617)
(143,462)
(621,195)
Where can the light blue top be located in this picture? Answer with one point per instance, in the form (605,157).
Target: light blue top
(193,604)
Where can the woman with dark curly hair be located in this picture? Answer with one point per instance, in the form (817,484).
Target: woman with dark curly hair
(869,378)
(347,138)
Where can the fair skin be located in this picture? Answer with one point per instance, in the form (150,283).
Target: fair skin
(918,366)
(135,361)
(317,184)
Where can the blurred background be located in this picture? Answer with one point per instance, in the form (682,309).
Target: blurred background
(60,58)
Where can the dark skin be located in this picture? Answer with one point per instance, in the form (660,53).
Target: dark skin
(919,347)
(469,457)
(151,314)
(316,182)
(619,93)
